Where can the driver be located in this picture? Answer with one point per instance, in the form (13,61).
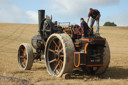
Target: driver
(85,28)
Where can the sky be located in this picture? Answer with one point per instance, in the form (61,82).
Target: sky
(26,11)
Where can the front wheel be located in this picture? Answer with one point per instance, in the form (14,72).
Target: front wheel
(25,56)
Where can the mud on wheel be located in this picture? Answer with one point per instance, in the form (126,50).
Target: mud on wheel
(59,54)
(25,56)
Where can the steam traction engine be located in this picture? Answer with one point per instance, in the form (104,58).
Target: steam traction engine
(64,50)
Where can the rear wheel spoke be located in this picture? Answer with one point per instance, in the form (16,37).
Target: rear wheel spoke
(55,43)
(52,61)
(61,61)
(61,64)
(61,50)
(59,67)
(57,51)
(53,51)
(61,55)
(56,66)
(59,45)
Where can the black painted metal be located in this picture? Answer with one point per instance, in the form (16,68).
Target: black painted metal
(41,16)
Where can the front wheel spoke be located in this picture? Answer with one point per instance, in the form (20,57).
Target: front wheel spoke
(25,56)
(52,61)
(24,52)
(23,63)
(21,56)
(24,60)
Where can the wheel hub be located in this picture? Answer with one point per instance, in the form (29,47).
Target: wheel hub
(56,55)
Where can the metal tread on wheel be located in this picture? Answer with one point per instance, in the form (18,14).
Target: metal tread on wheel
(25,56)
(59,54)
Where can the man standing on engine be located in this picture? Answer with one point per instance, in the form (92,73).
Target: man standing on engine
(95,16)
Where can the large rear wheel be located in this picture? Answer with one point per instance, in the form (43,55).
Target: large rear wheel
(106,61)
(59,54)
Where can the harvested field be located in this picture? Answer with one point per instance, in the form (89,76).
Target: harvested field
(12,35)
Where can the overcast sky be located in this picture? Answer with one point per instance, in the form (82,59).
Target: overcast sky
(25,11)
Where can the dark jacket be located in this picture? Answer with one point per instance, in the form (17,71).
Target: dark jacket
(85,27)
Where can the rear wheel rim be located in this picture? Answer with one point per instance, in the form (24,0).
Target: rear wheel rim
(55,56)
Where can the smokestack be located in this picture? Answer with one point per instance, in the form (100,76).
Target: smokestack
(41,16)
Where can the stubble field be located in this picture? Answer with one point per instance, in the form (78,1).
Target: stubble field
(12,35)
